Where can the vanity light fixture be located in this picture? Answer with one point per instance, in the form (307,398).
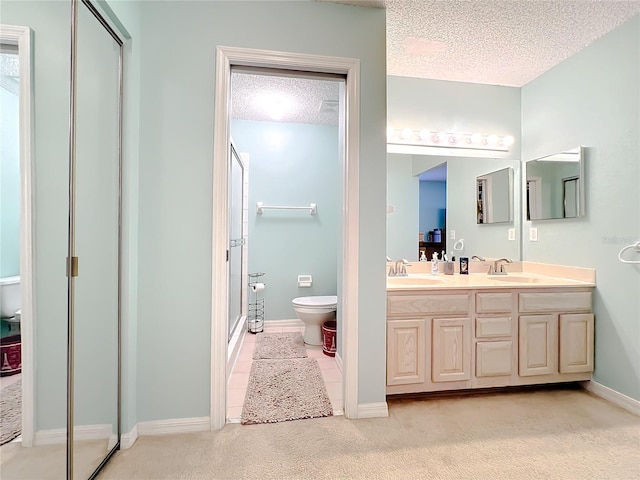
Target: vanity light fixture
(428,138)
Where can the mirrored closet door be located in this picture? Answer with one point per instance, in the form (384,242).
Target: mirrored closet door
(94,242)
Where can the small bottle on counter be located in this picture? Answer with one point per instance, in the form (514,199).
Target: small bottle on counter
(434,264)
(423,257)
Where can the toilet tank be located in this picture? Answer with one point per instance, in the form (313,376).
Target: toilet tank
(9,296)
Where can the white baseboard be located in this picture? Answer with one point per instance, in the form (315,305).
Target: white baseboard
(80,432)
(176,425)
(128,439)
(50,437)
(613,396)
(294,322)
(373,410)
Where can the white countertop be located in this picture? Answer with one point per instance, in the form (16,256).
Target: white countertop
(555,276)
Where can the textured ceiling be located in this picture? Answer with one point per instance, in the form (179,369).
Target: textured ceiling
(302,100)
(499,42)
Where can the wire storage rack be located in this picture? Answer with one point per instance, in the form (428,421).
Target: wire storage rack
(255,316)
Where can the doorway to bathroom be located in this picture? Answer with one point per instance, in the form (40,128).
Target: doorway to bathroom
(346,187)
(16,380)
(288,126)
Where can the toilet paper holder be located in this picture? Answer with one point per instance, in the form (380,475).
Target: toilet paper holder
(304,281)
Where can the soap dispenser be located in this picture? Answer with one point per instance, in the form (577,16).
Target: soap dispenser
(434,264)
(423,257)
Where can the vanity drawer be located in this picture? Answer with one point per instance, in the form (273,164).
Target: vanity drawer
(493,302)
(554,302)
(493,327)
(428,304)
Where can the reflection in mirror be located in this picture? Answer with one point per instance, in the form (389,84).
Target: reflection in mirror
(555,186)
(494,194)
(455,215)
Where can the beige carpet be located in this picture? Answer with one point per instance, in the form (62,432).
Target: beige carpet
(279,345)
(285,389)
(558,434)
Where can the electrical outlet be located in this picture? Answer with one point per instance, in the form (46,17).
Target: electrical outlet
(512,234)
(453,234)
(533,234)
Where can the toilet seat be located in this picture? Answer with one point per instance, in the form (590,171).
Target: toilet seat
(326,301)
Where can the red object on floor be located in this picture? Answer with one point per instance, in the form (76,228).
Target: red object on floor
(329,338)
(10,355)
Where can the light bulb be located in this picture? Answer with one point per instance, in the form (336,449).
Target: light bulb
(406,133)
(435,137)
(508,140)
(276,112)
(453,138)
(424,134)
(476,137)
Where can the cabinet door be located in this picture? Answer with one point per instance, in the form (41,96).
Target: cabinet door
(406,361)
(576,343)
(493,358)
(451,350)
(538,342)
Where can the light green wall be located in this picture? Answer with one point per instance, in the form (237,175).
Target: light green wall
(593,99)
(303,168)
(177,107)
(9,186)
(403,196)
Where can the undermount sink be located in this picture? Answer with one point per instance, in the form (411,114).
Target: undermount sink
(516,279)
(413,281)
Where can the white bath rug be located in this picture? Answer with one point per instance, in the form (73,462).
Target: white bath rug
(285,389)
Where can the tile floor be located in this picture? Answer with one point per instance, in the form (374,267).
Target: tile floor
(237,386)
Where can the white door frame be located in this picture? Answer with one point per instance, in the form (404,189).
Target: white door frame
(348,295)
(533,192)
(21,36)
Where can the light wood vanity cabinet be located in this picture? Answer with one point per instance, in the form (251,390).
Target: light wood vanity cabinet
(464,339)
(406,351)
(450,352)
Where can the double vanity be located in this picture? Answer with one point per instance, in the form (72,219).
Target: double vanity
(533,325)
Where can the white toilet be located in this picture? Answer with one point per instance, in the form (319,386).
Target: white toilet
(314,311)
(10,298)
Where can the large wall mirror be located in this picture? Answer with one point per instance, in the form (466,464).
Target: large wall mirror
(555,186)
(434,198)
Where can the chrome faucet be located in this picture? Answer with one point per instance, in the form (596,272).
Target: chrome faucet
(478,258)
(400,268)
(493,269)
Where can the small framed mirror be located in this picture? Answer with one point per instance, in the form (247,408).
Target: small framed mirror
(555,186)
(494,197)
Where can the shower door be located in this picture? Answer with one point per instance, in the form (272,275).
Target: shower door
(236,241)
